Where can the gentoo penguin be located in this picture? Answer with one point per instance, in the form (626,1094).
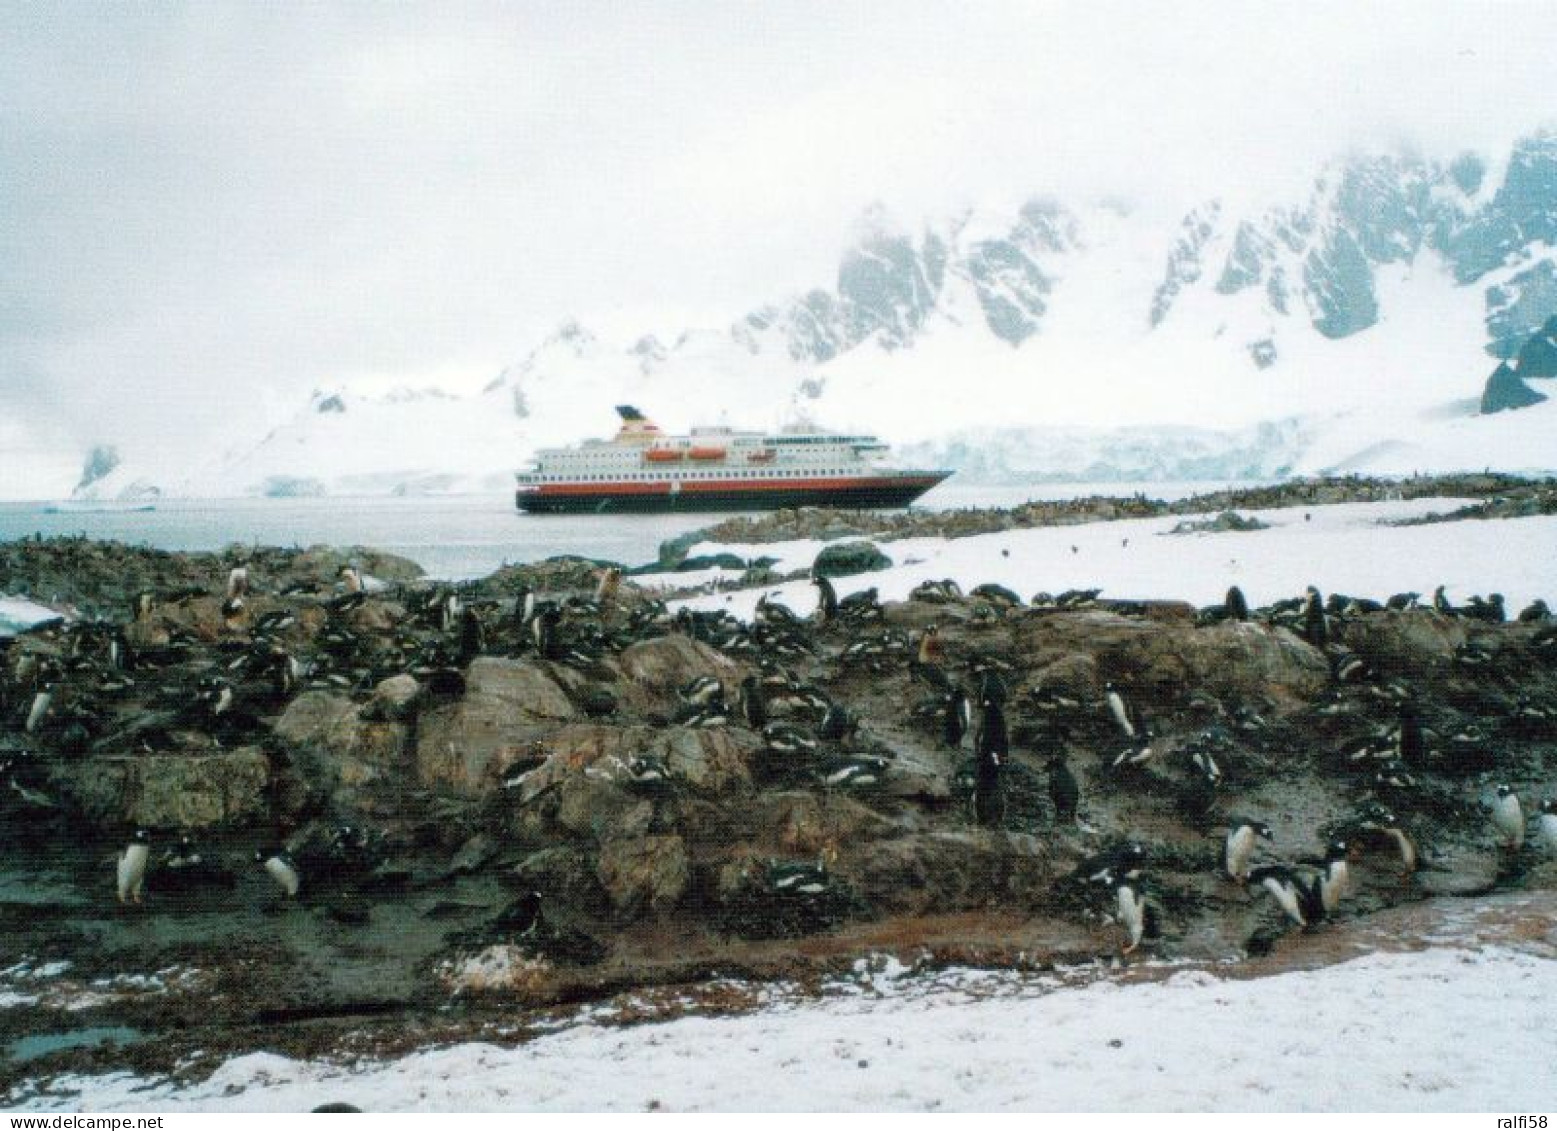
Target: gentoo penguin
(1546,826)
(1379,820)
(1411,747)
(351,580)
(1238,848)
(1508,816)
(1236,606)
(1117,708)
(473,636)
(1131,906)
(283,869)
(826,599)
(1335,877)
(131,868)
(42,701)
(754,705)
(1299,900)
(990,748)
(958,718)
(237,583)
(544,630)
(1064,792)
(1315,631)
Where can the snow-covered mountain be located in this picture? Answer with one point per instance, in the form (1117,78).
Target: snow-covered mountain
(1351,329)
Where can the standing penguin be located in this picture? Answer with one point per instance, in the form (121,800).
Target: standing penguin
(1117,708)
(1236,607)
(826,600)
(131,870)
(544,630)
(1064,791)
(42,701)
(1315,630)
(1298,899)
(1130,903)
(1238,848)
(1508,817)
(1546,826)
(1411,746)
(957,718)
(754,704)
(473,636)
(990,749)
(1380,821)
(1335,877)
(280,866)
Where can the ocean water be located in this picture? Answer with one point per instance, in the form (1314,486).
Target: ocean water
(458,536)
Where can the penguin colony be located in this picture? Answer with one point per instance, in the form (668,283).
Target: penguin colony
(1031,750)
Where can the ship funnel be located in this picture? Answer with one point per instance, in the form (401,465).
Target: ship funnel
(636,428)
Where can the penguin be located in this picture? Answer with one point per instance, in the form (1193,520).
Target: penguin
(1411,746)
(957,718)
(1117,708)
(280,866)
(791,878)
(990,748)
(1131,906)
(237,583)
(1335,877)
(131,869)
(1064,792)
(1379,820)
(754,706)
(610,585)
(544,631)
(932,650)
(42,701)
(1291,894)
(1238,848)
(1508,817)
(473,636)
(1546,826)
(826,600)
(1315,630)
(1237,608)
(1126,861)
(351,580)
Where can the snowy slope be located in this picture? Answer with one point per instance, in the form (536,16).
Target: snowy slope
(1441,1030)
(1340,548)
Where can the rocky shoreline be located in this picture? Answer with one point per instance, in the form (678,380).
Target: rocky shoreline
(543,788)
(1505,496)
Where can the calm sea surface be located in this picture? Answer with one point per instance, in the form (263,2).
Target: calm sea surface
(459,536)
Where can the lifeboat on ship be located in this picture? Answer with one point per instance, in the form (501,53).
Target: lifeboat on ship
(706,453)
(662,455)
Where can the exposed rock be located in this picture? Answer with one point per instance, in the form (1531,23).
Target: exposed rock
(712,758)
(668,662)
(1238,661)
(169,791)
(643,874)
(1506,390)
(509,706)
(1405,643)
(944,871)
(848,558)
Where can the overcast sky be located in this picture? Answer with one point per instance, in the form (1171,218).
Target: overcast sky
(211,204)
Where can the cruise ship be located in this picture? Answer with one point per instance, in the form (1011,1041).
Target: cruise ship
(716,469)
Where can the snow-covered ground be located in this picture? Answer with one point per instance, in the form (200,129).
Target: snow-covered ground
(1342,548)
(1439,1030)
(17,614)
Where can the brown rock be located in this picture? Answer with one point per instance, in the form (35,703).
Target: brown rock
(169,791)
(668,662)
(643,874)
(507,709)
(713,759)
